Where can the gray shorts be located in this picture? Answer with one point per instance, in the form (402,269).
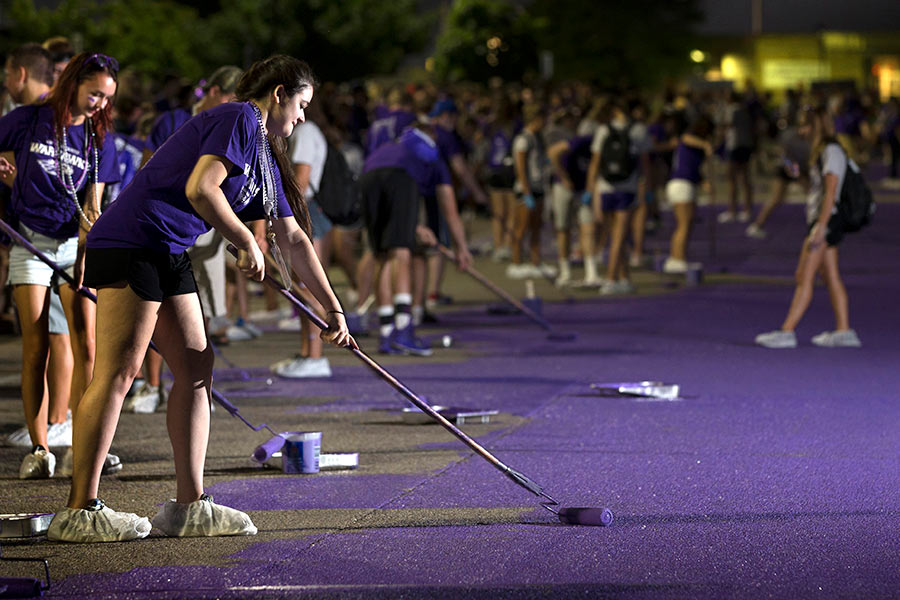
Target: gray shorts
(566,205)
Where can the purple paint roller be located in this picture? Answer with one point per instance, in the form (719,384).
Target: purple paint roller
(264,451)
(585,516)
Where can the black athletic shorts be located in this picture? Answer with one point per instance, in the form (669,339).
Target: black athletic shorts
(151,275)
(502,178)
(390,207)
(740,155)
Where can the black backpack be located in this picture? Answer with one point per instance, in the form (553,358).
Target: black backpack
(856,205)
(338,194)
(617,162)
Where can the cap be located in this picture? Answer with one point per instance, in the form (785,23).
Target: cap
(442,106)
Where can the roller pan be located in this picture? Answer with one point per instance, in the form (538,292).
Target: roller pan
(24,524)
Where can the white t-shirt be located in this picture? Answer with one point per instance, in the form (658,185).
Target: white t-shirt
(308,147)
(640,143)
(833,160)
(536,161)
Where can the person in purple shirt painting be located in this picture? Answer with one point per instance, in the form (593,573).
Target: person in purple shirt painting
(395,179)
(60,150)
(224,166)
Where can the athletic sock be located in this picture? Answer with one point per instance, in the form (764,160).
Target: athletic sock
(402,308)
(418,313)
(385,320)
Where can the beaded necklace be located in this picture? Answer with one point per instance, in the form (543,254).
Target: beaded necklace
(270,207)
(64,175)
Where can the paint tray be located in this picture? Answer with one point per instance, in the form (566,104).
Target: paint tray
(327,462)
(458,415)
(24,525)
(643,390)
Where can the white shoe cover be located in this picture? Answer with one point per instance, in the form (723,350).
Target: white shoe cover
(97,525)
(202,518)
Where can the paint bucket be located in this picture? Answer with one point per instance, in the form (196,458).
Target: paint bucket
(301,452)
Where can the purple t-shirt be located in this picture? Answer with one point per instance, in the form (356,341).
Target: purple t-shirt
(39,199)
(448,142)
(154,212)
(687,162)
(164,126)
(389,128)
(397,155)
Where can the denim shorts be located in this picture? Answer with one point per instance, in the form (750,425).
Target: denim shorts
(27,269)
(611,201)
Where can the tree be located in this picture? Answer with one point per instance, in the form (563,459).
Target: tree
(487,38)
(618,44)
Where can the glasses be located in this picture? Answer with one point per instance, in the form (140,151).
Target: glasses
(107,62)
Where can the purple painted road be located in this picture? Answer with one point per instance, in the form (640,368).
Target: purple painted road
(776,475)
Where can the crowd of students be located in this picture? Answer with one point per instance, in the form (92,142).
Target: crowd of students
(136,195)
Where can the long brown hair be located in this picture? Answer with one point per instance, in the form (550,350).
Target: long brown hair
(822,131)
(81,68)
(257,82)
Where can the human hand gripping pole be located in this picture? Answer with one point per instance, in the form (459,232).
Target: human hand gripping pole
(571,516)
(22,241)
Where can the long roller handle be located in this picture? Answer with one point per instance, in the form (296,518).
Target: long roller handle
(480,278)
(407,393)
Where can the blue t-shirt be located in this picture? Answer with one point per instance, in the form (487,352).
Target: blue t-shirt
(154,212)
(129,153)
(389,128)
(400,155)
(449,142)
(164,126)
(39,199)
(500,155)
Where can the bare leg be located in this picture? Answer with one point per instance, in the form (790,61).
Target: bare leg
(125,324)
(684,216)
(534,229)
(748,188)
(59,377)
(836,290)
(521,226)
(419,277)
(807,267)
(618,231)
(365,275)
(498,216)
(81,314)
(33,305)
(773,203)
(181,338)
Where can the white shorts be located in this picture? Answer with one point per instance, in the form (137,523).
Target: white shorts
(208,263)
(681,191)
(565,205)
(27,269)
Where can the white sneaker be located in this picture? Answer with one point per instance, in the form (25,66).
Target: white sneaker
(514,271)
(501,254)
(755,231)
(236,333)
(726,217)
(743,216)
(60,434)
(846,338)
(201,519)
(19,437)
(289,324)
(112,464)
(297,368)
(146,401)
(615,288)
(777,339)
(38,464)
(98,523)
(635,261)
(545,270)
(592,280)
(675,266)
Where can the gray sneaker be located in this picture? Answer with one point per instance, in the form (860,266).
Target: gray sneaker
(777,339)
(846,338)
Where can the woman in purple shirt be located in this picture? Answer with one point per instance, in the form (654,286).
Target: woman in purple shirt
(62,159)
(224,166)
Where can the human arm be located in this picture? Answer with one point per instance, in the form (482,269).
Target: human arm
(461,169)
(92,212)
(817,235)
(689,139)
(447,203)
(555,153)
(294,243)
(206,197)
(7,167)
